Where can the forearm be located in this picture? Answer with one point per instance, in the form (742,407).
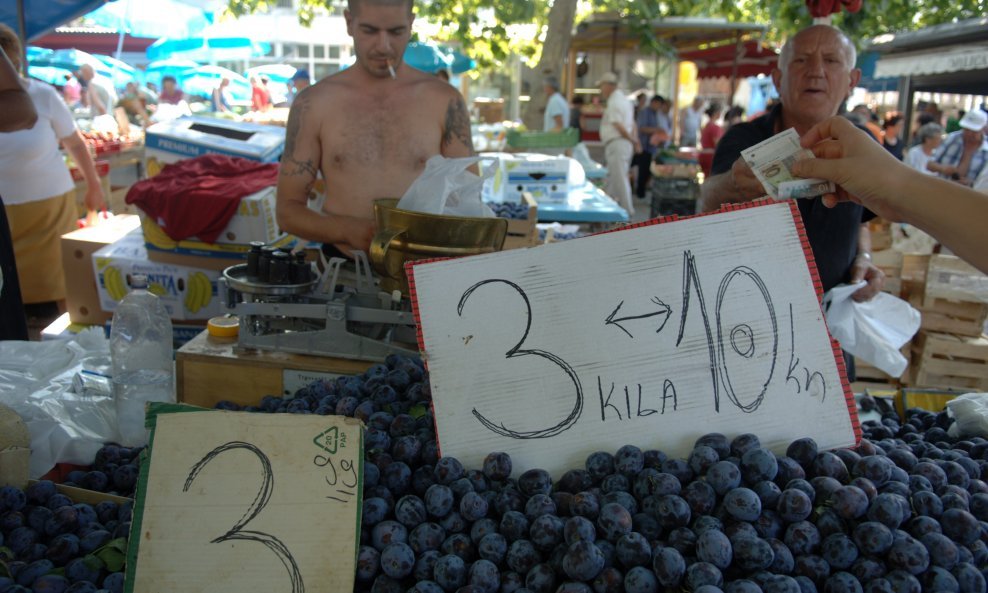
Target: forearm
(955,218)
(296,218)
(624,133)
(718,190)
(864,240)
(77,149)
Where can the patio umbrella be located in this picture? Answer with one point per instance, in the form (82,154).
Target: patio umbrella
(49,74)
(73,59)
(458,62)
(207,49)
(151,18)
(174,67)
(281,73)
(426,57)
(202,80)
(120,68)
(39,55)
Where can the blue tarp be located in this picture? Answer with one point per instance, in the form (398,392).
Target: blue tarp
(43,16)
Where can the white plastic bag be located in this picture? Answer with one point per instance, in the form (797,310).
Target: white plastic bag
(971,414)
(446,187)
(873,331)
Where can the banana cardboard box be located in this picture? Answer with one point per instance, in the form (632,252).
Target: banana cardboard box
(187,293)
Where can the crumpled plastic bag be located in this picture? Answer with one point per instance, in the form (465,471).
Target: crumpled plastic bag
(970,413)
(873,331)
(36,382)
(446,187)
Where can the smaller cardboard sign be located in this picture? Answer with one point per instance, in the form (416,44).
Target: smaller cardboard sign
(239,502)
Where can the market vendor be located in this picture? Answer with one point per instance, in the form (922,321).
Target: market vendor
(815,75)
(369,131)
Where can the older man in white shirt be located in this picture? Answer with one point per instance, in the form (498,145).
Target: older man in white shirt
(617,132)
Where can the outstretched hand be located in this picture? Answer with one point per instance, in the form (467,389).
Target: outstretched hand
(861,167)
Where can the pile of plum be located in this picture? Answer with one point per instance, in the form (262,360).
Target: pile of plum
(904,512)
(48,544)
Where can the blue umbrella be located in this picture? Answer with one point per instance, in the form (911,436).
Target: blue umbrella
(459,62)
(119,68)
(207,49)
(202,80)
(49,74)
(174,67)
(151,18)
(39,55)
(73,59)
(281,73)
(426,57)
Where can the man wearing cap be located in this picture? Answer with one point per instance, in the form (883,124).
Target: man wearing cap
(963,154)
(617,132)
(299,82)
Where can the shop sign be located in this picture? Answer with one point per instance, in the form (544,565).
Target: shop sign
(651,336)
(234,502)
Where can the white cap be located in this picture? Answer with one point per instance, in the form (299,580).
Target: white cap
(609,78)
(974,120)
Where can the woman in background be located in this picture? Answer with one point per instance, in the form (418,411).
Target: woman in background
(930,136)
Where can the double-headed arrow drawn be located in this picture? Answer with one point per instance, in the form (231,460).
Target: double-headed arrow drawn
(664,311)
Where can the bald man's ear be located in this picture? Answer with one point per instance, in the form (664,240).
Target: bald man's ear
(777,77)
(855,78)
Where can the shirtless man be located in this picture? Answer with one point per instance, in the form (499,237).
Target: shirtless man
(368,129)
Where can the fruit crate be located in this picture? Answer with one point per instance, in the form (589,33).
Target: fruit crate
(890,263)
(941,288)
(946,360)
(522,232)
(933,400)
(881,234)
(568,138)
(951,278)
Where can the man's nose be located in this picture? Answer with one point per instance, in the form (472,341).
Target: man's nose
(385,41)
(815,64)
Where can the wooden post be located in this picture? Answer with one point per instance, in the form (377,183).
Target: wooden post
(738,46)
(570,82)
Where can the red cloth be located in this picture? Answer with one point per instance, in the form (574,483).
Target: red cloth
(197,197)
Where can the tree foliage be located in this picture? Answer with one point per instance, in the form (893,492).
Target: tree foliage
(493,31)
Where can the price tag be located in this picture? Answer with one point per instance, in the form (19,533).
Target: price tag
(651,336)
(239,502)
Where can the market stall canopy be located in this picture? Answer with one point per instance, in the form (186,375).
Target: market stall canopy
(752,58)
(948,58)
(50,74)
(208,49)
(152,18)
(42,16)
(202,80)
(174,67)
(609,32)
(280,73)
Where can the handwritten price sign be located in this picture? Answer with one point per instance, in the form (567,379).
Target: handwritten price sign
(238,502)
(649,336)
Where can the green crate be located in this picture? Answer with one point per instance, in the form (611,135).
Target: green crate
(568,138)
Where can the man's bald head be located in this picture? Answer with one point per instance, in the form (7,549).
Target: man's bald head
(354,5)
(847,47)
(87,72)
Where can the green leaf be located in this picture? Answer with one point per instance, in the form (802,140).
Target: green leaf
(112,558)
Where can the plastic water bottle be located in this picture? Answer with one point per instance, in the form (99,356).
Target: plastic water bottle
(141,352)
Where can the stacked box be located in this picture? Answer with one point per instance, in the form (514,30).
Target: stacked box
(951,361)
(187,293)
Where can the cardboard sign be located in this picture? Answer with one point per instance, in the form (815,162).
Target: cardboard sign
(651,336)
(239,502)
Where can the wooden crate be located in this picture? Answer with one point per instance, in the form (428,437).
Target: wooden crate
(881,234)
(889,262)
(951,317)
(952,361)
(523,232)
(951,278)
(866,372)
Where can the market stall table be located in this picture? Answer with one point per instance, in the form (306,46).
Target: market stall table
(586,204)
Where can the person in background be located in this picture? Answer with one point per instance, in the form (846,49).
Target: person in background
(395,118)
(576,114)
(891,130)
(135,105)
(299,82)
(648,130)
(867,175)
(617,132)
(930,136)
(260,99)
(710,136)
(221,104)
(556,116)
(689,123)
(99,90)
(641,102)
(16,113)
(734,115)
(868,119)
(170,93)
(38,190)
(964,153)
(922,118)
(664,120)
(71,91)
(954,123)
